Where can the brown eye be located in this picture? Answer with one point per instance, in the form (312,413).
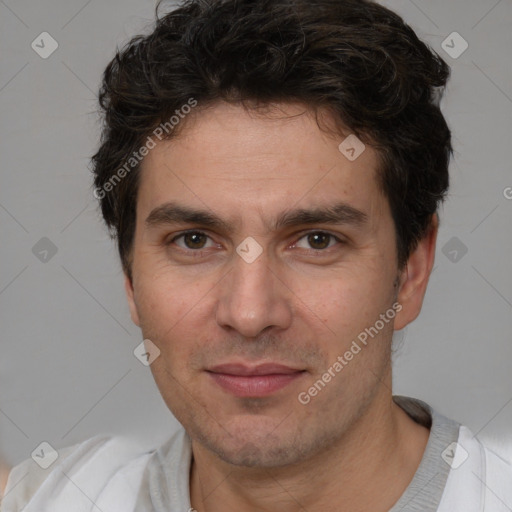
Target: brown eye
(191,240)
(319,240)
(194,240)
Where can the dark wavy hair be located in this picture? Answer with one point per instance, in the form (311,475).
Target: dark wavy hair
(355,58)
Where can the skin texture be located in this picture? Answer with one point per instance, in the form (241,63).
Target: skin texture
(299,304)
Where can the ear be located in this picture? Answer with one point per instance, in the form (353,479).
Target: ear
(415,275)
(128,286)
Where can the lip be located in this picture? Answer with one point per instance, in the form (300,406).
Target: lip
(253,381)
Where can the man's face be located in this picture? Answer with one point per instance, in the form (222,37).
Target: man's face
(218,317)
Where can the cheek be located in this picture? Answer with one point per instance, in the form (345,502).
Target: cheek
(174,314)
(165,297)
(162,307)
(345,303)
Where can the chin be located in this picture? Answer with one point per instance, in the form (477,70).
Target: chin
(256,443)
(256,454)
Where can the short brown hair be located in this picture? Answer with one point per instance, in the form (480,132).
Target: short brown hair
(355,58)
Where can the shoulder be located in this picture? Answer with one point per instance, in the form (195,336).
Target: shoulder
(4,474)
(78,475)
(480,478)
(160,476)
(498,477)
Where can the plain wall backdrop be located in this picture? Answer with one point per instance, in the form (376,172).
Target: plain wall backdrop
(67,369)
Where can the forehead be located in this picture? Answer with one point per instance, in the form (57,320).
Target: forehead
(235,161)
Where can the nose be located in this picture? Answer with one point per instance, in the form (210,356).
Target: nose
(254,298)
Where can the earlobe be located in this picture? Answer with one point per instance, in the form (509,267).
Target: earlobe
(130,295)
(414,277)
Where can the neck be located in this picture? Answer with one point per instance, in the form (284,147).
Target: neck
(368,468)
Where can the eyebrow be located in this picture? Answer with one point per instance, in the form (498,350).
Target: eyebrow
(339,213)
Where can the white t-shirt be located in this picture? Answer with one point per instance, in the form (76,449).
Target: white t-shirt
(102,474)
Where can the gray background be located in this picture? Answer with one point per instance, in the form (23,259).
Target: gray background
(67,370)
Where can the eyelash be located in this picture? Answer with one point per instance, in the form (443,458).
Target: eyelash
(200,252)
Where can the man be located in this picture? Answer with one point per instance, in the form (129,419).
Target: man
(272,171)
